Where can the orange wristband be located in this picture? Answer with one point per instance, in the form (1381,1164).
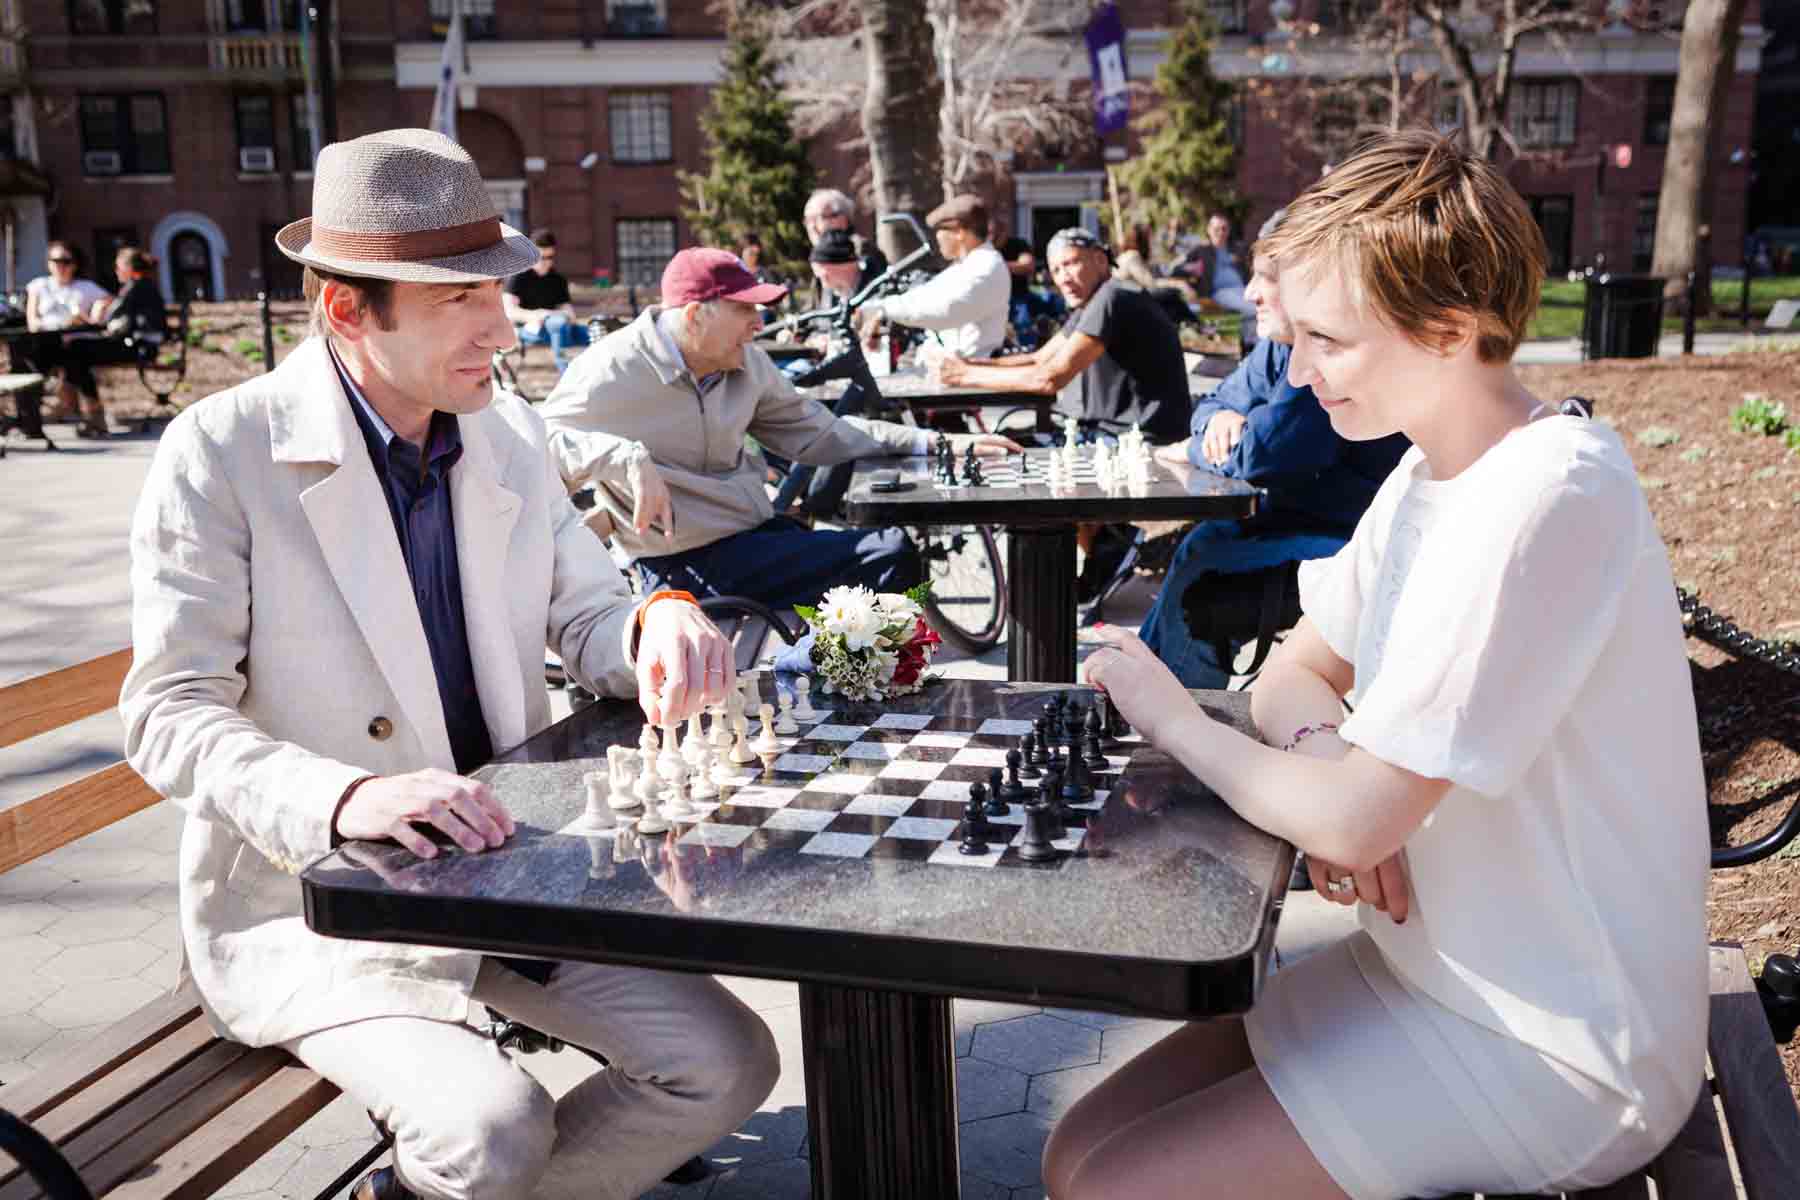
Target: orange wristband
(669,594)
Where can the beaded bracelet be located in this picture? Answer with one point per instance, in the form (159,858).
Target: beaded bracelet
(1306,731)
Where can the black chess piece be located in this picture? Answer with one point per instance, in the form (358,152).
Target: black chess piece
(971,473)
(997,805)
(1041,747)
(1028,751)
(1014,763)
(1050,800)
(1095,757)
(975,824)
(1037,845)
(1076,789)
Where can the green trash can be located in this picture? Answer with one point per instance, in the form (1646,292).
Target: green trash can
(1622,316)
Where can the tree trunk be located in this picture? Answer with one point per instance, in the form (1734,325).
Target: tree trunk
(1709,37)
(901,114)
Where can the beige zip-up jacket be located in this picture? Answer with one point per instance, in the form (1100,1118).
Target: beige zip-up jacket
(630,396)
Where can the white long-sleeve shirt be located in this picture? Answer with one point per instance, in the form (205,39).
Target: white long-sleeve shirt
(968,300)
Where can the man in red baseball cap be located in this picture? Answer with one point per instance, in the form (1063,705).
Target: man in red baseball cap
(656,415)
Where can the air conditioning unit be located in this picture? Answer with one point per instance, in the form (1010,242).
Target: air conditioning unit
(101,162)
(256,158)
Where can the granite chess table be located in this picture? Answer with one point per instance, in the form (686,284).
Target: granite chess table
(1162,904)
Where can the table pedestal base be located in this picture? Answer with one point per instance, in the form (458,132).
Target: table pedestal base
(880,1093)
(1040,581)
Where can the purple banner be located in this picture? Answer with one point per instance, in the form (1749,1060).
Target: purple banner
(1106,60)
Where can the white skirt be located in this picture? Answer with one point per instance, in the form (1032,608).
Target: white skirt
(1398,1097)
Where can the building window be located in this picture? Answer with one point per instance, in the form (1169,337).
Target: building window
(124,135)
(1659,109)
(636,18)
(256,132)
(112,16)
(300,128)
(1227,15)
(1643,234)
(1543,113)
(477,18)
(1345,15)
(640,127)
(1555,216)
(106,247)
(261,16)
(645,248)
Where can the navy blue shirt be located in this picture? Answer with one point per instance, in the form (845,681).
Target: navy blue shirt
(417,486)
(1317,481)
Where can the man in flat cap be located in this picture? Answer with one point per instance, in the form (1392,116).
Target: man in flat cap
(828,211)
(967,301)
(656,416)
(344,576)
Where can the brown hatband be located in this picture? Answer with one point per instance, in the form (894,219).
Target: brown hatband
(417,246)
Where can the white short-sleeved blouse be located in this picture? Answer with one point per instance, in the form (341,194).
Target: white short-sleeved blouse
(1514,630)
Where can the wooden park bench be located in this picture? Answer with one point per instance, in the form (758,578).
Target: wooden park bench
(155,1107)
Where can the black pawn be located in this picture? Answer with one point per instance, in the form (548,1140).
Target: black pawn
(1041,746)
(1014,762)
(1076,789)
(1028,756)
(996,805)
(975,826)
(1095,758)
(1037,845)
(1050,800)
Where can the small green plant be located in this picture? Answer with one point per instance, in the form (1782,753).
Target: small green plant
(196,339)
(283,334)
(1791,439)
(1658,436)
(1694,454)
(246,347)
(1759,414)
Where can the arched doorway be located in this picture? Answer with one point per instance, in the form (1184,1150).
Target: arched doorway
(190,266)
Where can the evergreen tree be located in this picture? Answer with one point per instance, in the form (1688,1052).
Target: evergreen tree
(1187,167)
(758,175)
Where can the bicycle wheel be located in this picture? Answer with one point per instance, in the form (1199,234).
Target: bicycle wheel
(967,570)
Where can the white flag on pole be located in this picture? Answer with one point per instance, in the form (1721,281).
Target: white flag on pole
(443,109)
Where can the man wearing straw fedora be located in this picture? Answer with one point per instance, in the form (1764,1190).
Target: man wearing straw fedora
(344,574)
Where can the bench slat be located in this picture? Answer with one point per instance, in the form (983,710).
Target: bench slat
(45,823)
(1759,1107)
(47,702)
(204,1161)
(33,1096)
(115,1088)
(1694,1166)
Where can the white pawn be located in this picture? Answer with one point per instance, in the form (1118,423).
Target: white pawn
(675,795)
(740,747)
(671,748)
(695,739)
(704,786)
(652,820)
(803,709)
(785,722)
(645,787)
(766,742)
(721,725)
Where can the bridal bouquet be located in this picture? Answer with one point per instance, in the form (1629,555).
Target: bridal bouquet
(870,645)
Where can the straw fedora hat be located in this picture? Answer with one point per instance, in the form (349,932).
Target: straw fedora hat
(406,205)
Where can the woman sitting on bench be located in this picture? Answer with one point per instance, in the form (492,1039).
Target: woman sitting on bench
(1516,803)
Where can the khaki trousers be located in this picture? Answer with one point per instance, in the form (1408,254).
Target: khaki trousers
(688,1063)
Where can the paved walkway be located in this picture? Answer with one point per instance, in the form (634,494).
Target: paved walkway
(88,933)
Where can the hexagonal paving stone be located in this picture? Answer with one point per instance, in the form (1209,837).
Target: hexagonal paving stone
(984,1189)
(18,918)
(965,1041)
(1118,1046)
(164,971)
(985,1089)
(25,991)
(165,934)
(314,1168)
(1053,1092)
(1037,1044)
(27,952)
(263,1174)
(13,1071)
(766,1137)
(86,895)
(99,925)
(60,1045)
(980,1012)
(101,960)
(1005,1150)
(1093,1020)
(341,1121)
(20,1034)
(80,1004)
(29,881)
(786,1179)
(87,863)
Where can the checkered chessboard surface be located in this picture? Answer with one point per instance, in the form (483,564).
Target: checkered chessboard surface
(1032,469)
(893,788)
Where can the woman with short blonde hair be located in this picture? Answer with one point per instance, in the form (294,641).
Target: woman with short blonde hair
(1515,803)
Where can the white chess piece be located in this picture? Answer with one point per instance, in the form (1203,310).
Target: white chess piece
(721,725)
(785,722)
(621,796)
(740,746)
(671,749)
(674,773)
(696,739)
(598,814)
(704,786)
(645,787)
(652,820)
(803,709)
(766,742)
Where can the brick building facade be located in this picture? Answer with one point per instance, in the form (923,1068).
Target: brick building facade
(181,125)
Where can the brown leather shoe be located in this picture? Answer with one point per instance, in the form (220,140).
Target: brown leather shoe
(380,1184)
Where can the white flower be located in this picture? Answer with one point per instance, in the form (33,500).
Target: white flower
(897,609)
(850,613)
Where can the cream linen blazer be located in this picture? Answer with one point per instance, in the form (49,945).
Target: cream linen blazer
(279,655)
